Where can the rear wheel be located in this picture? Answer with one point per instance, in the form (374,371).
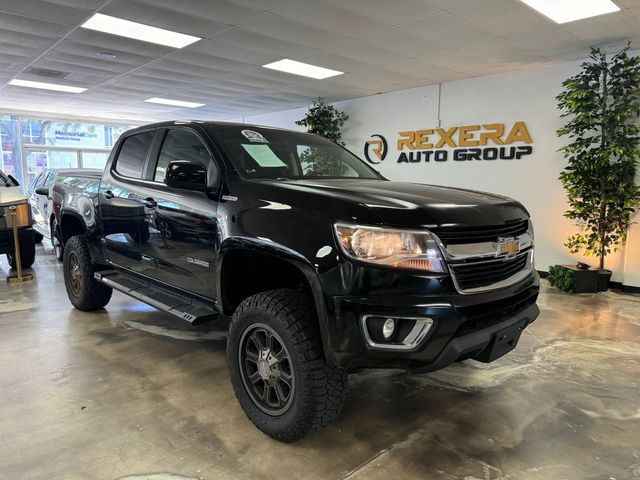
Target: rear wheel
(278,370)
(84,291)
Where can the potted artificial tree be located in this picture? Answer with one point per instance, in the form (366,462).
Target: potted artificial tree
(325,120)
(601,105)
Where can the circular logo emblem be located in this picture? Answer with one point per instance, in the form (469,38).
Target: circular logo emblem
(375,149)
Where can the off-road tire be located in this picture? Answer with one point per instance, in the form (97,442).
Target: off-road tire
(319,388)
(26,259)
(84,291)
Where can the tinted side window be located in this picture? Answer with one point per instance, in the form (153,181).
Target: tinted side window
(130,161)
(180,144)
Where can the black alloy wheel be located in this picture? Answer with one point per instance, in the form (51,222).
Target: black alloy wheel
(266,369)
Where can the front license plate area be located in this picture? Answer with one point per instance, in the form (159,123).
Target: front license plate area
(502,343)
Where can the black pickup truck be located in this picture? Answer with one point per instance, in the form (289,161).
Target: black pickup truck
(324,265)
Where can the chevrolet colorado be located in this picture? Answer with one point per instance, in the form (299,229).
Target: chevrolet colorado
(324,265)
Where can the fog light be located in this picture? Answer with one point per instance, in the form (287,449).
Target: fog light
(389,328)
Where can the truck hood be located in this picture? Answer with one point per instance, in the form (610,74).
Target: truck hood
(406,204)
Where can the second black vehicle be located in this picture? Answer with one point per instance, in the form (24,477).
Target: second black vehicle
(324,265)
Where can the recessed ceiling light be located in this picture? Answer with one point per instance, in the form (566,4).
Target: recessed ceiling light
(174,103)
(304,69)
(46,86)
(138,31)
(563,11)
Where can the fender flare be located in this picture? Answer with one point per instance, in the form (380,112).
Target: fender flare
(292,257)
(69,212)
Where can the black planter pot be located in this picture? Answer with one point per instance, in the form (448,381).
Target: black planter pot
(604,276)
(586,280)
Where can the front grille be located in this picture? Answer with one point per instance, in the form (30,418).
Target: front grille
(477,317)
(460,235)
(481,274)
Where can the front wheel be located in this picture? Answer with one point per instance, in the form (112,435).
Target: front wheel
(83,290)
(277,366)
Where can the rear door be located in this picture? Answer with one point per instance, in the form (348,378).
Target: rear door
(183,227)
(121,202)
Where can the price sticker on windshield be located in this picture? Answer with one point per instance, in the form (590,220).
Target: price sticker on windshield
(264,155)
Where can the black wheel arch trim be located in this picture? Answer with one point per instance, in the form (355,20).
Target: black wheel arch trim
(297,260)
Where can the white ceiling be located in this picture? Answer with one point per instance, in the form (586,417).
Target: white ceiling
(382,46)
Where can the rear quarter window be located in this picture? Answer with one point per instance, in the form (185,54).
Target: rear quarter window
(133,154)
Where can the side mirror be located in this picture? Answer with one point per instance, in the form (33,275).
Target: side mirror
(42,191)
(186,175)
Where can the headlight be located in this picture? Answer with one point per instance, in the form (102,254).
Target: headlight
(415,250)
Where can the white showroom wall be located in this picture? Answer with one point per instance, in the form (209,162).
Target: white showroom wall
(526,95)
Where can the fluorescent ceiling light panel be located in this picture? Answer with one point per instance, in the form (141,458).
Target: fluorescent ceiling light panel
(138,31)
(563,11)
(46,86)
(174,103)
(304,69)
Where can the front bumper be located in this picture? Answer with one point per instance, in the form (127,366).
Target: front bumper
(464,326)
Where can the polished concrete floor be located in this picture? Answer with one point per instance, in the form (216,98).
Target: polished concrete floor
(133,393)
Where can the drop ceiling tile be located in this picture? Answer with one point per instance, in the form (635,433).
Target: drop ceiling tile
(41,10)
(84,4)
(88,55)
(106,42)
(10,62)
(501,16)
(293,31)
(397,12)
(210,61)
(218,11)
(190,23)
(251,40)
(448,29)
(411,69)
(207,51)
(611,29)
(398,41)
(16,23)
(332,16)
(264,5)
(448,5)
(14,47)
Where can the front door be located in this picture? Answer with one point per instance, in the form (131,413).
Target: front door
(183,227)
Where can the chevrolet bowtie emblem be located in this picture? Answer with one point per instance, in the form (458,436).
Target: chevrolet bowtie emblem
(508,247)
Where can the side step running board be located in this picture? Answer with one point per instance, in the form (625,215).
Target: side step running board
(180,305)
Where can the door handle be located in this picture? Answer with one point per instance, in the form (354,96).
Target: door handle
(150,203)
(108,194)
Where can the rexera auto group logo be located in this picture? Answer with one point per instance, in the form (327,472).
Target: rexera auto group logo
(462,143)
(376,145)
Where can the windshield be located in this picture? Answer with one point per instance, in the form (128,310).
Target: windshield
(264,153)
